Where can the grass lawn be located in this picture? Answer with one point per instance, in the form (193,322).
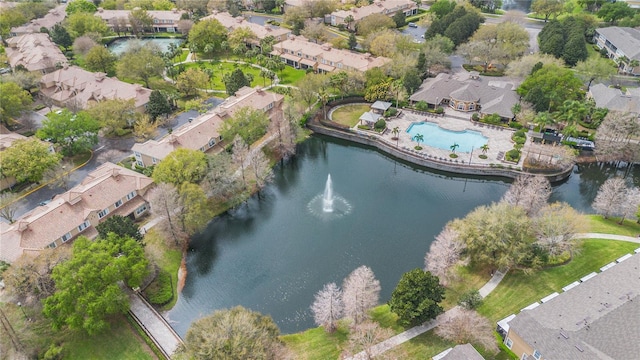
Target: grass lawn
(290,75)
(598,224)
(168,258)
(518,290)
(348,115)
(221,68)
(316,343)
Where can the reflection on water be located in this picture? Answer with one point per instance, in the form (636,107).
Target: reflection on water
(521,5)
(272,255)
(118,46)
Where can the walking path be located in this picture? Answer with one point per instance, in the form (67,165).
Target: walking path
(156,327)
(484,291)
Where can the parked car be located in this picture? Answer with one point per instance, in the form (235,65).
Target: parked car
(413,25)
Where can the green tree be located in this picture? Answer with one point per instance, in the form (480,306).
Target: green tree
(191,80)
(547,8)
(84,6)
(196,212)
(114,115)
(418,138)
(239,38)
(454,147)
(207,36)
(400,19)
(88,287)
(158,105)
(141,64)
(236,80)
(499,235)
(82,23)
(575,48)
(237,333)
(251,124)
(13,101)
(100,58)
(501,43)
(27,160)
(141,21)
(353,41)
(60,36)
(122,226)
(442,7)
(75,133)
(484,148)
(595,68)
(10,18)
(549,87)
(416,298)
(373,23)
(181,165)
(552,38)
(612,12)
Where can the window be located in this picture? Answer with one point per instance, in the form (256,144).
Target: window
(154,160)
(270,106)
(103,213)
(131,195)
(472,107)
(138,155)
(118,203)
(339,65)
(140,163)
(509,343)
(299,53)
(460,106)
(67,236)
(536,354)
(82,226)
(52,245)
(141,209)
(212,142)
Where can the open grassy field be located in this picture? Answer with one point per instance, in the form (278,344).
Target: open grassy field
(348,115)
(287,76)
(598,224)
(518,290)
(167,257)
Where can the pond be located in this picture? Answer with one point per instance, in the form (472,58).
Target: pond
(273,253)
(118,46)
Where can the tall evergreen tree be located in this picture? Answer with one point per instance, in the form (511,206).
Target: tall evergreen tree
(158,105)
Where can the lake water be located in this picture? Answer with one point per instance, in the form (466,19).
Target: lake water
(118,46)
(274,253)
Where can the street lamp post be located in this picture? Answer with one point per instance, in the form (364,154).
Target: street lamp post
(23,313)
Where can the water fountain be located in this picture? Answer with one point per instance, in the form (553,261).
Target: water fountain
(329,205)
(327,199)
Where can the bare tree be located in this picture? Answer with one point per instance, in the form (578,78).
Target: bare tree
(361,291)
(184,26)
(30,276)
(219,182)
(529,192)
(240,155)
(286,133)
(364,336)
(629,206)
(165,201)
(9,206)
(59,176)
(260,168)
(82,45)
(444,253)
(556,225)
(467,326)
(610,197)
(614,137)
(328,307)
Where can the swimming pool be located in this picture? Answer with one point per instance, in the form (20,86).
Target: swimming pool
(437,137)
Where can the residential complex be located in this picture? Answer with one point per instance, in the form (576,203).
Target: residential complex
(35,52)
(595,318)
(109,190)
(300,53)
(460,352)
(260,31)
(622,45)
(470,92)
(203,133)
(53,17)
(386,7)
(615,99)
(78,88)
(163,20)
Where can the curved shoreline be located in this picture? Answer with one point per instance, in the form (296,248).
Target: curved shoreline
(429,162)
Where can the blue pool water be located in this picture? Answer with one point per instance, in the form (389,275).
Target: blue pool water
(437,137)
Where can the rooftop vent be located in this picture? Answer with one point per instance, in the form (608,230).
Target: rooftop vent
(579,348)
(563,334)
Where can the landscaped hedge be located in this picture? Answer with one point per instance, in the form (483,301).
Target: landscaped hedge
(512,155)
(160,291)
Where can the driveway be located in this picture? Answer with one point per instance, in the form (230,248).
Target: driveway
(416,33)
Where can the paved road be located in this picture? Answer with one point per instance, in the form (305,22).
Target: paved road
(416,33)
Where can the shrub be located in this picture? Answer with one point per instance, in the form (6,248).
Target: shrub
(482,156)
(440,110)
(513,155)
(380,124)
(54,352)
(303,120)
(520,133)
(519,140)
(475,117)
(391,112)
(453,156)
(422,106)
(515,125)
(160,291)
(418,147)
(363,127)
(470,300)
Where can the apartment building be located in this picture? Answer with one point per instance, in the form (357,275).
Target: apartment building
(203,133)
(163,20)
(53,17)
(622,45)
(109,190)
(35,52)
(386,7)
(300,53)
(260,31)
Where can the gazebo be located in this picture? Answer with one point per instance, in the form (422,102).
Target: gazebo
(369,118)
(379,107)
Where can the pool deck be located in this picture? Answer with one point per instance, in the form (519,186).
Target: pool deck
(499,138)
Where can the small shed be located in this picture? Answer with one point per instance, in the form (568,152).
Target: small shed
(379,107)
(369,118)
